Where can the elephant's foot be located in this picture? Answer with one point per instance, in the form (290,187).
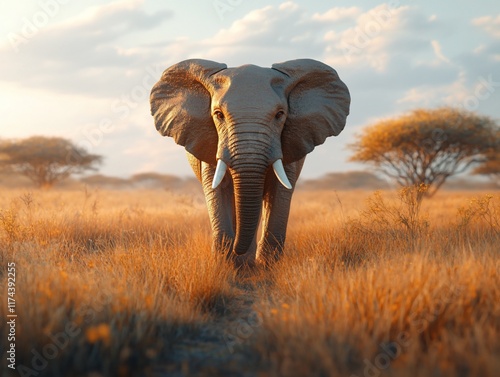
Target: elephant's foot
(266,262)
(267,254)
(223,244)
(243,262)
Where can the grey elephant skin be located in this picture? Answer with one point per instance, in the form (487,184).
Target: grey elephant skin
(247,131)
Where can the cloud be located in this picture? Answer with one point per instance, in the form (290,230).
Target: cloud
(344,37)
(87,54)
(385,55)
(489,24)
(451,93)
(265,36)
(371,35)
(337,14)
(391,58)
(83,54)
(438,51)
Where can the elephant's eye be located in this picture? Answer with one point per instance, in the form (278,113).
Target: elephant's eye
(219,115)
(279,114)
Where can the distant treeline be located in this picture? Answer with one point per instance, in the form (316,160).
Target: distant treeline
(332,181)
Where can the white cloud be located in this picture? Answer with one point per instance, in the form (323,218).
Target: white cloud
(289,5)
(269,34)
(436,46)
(101,12)
(337,14)
(369,40)
(94,60)
(479,49)
(489,24)
(382,53)
(429,95)
(83,53)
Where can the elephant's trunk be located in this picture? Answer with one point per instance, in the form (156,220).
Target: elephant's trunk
(248,171)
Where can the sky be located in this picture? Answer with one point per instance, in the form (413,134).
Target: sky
(84,70)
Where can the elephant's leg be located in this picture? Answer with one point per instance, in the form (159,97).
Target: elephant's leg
(220,204)
(276,209)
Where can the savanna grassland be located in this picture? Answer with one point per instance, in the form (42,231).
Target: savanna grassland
(123,283)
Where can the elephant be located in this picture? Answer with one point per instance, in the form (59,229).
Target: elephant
(246,131)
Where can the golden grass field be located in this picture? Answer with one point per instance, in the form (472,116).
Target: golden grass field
(123,283)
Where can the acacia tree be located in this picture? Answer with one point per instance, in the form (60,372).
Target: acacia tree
(427,146)
(490,167)
(46,160)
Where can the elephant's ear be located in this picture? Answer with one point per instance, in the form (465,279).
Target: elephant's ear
(180,104)
(318,105)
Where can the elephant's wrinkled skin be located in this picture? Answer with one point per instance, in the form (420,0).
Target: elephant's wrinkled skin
(251,121)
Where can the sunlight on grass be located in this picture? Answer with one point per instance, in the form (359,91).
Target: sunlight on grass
(116,282)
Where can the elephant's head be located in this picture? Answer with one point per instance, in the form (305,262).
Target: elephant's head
(247,119)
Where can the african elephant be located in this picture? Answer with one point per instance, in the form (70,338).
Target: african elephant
(247,131)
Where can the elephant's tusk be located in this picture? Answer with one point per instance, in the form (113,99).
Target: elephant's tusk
(279,170)
(220,171)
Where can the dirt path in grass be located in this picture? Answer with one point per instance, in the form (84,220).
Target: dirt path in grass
(219,349)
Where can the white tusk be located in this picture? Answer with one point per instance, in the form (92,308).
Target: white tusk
(220,171)
(279,170)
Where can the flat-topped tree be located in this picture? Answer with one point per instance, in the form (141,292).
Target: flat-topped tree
(491,166)
(46,160)
(427,146)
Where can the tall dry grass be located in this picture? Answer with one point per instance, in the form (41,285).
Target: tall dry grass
(392,289)
(116,278)
(124,283)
